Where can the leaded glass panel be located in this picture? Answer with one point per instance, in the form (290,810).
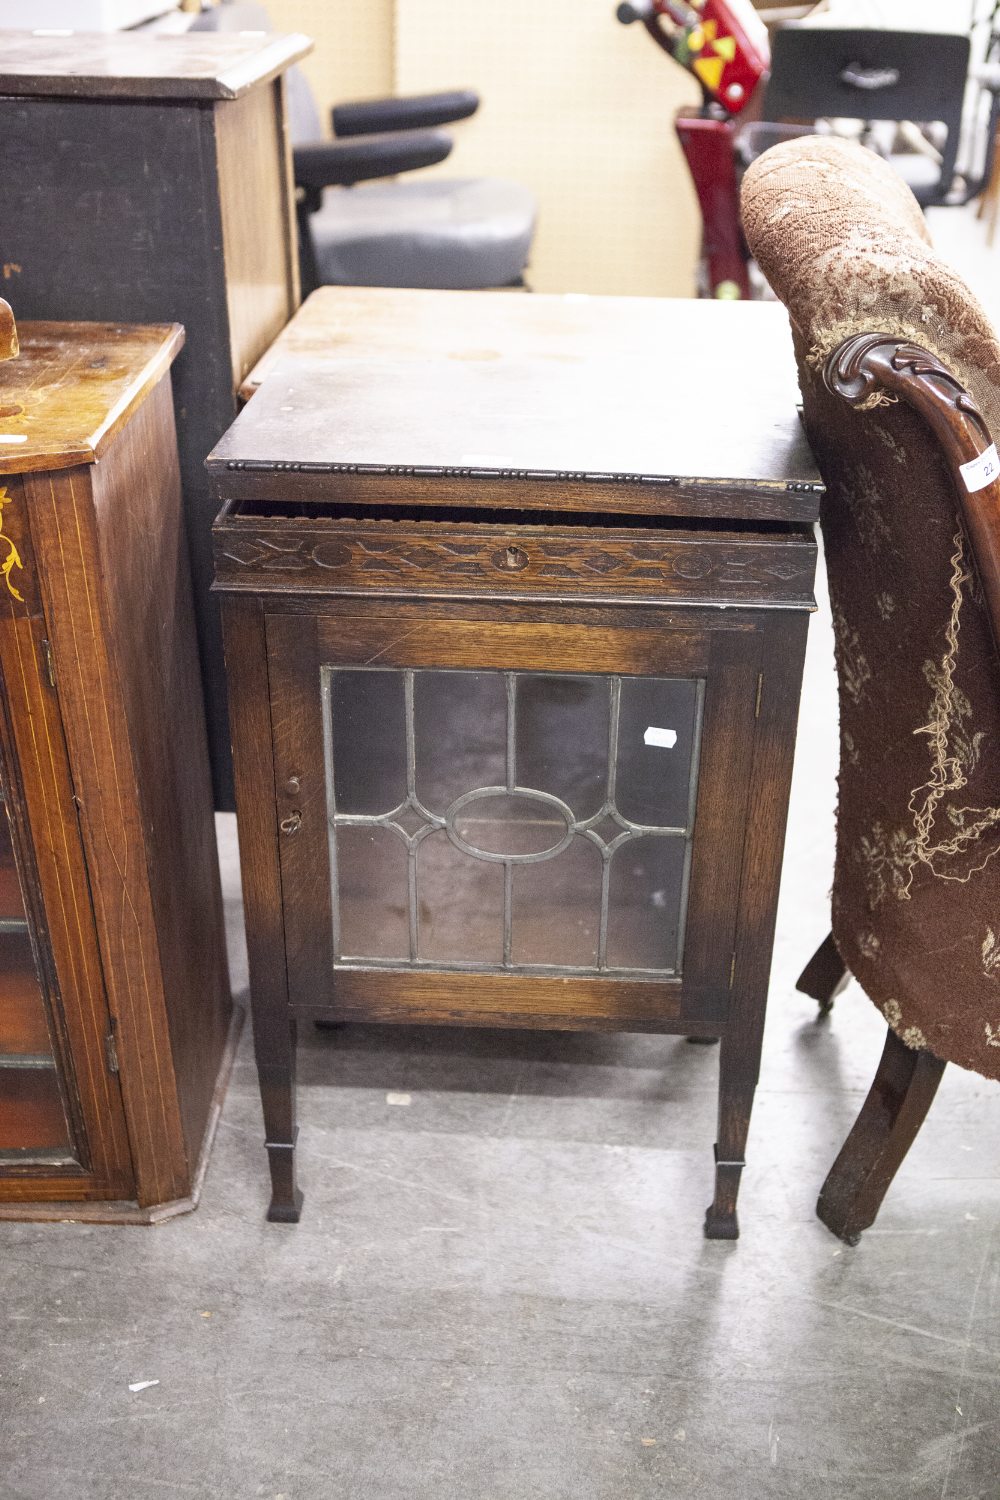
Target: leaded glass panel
(525,821)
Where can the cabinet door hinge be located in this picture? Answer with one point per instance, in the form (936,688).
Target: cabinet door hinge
(111,1049)
(50,671)
(732,971)
(760,693)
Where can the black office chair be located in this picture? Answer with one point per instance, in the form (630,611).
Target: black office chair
(433,232)
(871,76)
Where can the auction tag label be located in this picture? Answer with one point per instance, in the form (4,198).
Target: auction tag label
(981,471)
(665,738)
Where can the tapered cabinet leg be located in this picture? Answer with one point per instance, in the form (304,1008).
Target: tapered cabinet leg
(890,1117)
(273,1021)
(824,976)
(783,649)
(721,1221)
(276,1068)
(738,1068)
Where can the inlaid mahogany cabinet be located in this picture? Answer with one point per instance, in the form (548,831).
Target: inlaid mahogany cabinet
(115,1014)
(515,593)
(147,179)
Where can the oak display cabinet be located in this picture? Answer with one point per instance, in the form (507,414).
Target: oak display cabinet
(116,1024)
(515,594)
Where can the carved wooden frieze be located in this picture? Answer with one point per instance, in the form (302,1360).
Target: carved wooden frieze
(339,556)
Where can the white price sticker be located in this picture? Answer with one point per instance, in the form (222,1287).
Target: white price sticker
(13,437)
(666,739)
(981,471)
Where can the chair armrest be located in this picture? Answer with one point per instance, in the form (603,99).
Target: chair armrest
(342,163)
(418,112)
(867,367)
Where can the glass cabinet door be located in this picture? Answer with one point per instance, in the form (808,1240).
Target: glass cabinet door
(34,1123)
(559,812)
(63,1134)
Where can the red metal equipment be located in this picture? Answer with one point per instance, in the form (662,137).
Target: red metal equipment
(723,43)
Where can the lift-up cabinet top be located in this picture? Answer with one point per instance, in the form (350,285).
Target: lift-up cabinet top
(114,998)
(515,594)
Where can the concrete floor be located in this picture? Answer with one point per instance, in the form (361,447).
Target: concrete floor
(499,1289)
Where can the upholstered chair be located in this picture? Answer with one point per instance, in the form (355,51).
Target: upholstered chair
(900,376)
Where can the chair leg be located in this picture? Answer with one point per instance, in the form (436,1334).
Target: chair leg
(884,1131)
(824,976)
(989,200)
(308,270)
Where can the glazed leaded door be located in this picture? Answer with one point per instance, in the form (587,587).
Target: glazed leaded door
(497,803)
(36,1125)
(62,1126)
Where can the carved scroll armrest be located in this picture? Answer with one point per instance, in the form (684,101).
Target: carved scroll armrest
(869,364)
(8,332)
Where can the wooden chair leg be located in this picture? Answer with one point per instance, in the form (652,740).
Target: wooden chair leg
(824,976)
(884,1131)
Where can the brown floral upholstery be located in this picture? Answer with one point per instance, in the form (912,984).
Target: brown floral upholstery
(916,898)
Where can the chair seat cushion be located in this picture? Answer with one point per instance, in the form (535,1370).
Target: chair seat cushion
(440,232)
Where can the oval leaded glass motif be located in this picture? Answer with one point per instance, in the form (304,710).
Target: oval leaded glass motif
(515,826)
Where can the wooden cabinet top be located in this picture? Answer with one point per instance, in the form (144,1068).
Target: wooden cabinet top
(620,398)
(136,65)
(72,387)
